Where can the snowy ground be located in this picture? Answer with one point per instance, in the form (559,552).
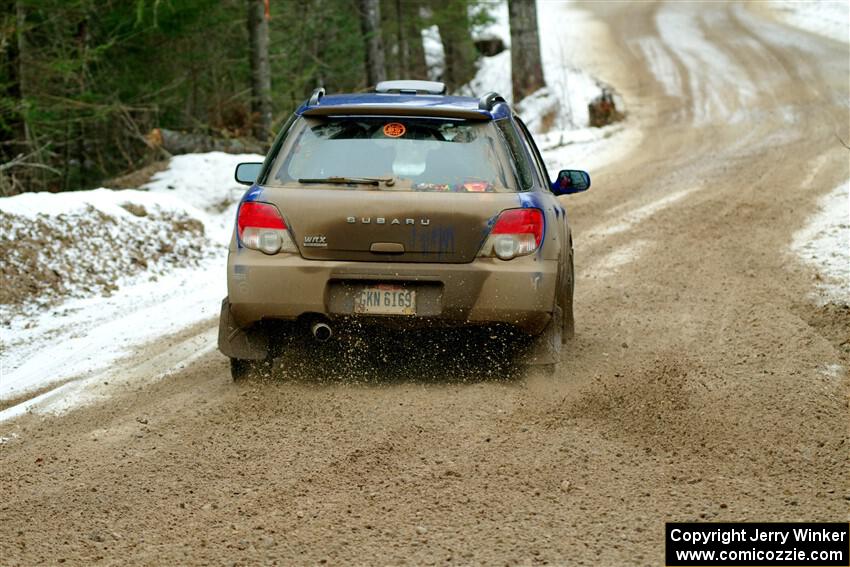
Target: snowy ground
(824,244)
(557,115)
(44,343)
(828,18)
(62,245)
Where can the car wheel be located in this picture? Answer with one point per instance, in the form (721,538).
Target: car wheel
(569,323)
(241,369)
(545,349)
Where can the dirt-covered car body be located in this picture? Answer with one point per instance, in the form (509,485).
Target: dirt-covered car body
(400,206)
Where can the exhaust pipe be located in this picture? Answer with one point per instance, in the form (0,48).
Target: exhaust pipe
(321,331)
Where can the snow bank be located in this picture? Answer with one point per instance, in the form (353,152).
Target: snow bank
(206,181)
(566,80)
(110,203)
(57,246)
(824,244)
(87,277)
(829,18)
(54,246)
(569,89)
(557,115)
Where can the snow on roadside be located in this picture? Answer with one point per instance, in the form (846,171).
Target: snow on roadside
(54,246)
(567,51)
(829,18)
(824,244)
(85,336)
(206,181)
(557,115)
(569,89)
(131,265)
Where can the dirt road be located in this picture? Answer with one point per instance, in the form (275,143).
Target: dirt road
(697,387)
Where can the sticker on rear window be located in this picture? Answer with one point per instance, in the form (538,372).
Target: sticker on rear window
(394,130)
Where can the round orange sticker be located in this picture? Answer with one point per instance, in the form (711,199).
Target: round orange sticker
(394,130)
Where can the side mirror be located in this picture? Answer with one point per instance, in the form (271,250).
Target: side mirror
(247,173)
(571,181)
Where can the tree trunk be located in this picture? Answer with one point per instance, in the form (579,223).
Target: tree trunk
(261,76)
(82,144)
(403,70)
(416,66)
(526,68)
(452,18)
(370,23)
(19,69)
(394,39)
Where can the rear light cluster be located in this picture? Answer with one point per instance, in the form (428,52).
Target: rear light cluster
(517,232)
(261,227)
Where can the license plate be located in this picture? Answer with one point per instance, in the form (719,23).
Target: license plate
(385,300)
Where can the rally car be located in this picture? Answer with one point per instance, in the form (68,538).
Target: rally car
(403,206)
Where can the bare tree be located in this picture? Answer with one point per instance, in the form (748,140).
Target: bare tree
(370,23)
(526,68)
(261,76)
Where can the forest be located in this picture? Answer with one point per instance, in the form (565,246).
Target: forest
(88,87)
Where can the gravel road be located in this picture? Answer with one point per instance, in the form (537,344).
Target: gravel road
(701,384)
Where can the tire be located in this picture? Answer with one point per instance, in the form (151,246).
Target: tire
(241,369)
(554,333)
(569,322)
(545,351)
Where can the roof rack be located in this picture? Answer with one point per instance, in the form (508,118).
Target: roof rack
(489,100)
(316,96)
(411,87)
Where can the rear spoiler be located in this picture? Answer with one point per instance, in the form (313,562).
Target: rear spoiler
(396,110)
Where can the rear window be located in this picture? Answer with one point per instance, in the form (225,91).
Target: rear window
(419,154)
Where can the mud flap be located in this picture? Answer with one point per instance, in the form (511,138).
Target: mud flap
(546,348)
(239,343)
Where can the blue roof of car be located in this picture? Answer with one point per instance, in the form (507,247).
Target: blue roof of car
(408,104)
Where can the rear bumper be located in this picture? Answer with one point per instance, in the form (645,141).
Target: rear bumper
(519,292)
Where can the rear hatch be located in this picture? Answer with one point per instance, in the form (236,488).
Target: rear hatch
(394,189)
(388,226)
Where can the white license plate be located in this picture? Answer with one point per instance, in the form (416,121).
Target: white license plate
(385,300)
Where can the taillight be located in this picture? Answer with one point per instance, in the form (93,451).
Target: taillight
(517,232)
(260,226)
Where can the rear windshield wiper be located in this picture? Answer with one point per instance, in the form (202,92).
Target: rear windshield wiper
(351,180)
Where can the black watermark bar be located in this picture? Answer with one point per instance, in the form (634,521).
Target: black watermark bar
(743,544)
